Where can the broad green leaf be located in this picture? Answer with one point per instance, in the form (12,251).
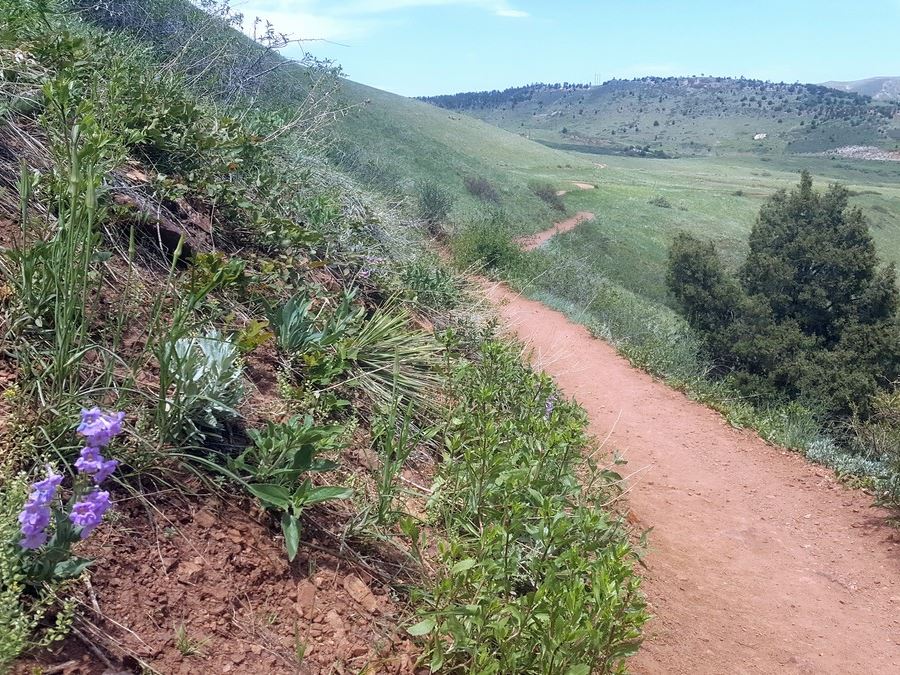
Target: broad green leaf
(327,493)
(290,526)
(422,628)
(272,495)
(68,569)
(462,566)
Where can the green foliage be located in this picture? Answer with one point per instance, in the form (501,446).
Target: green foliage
(435,203)
(661,202)
(394,436)
(430,284)
(813,315)
(536,577)
(200,386)
(486,243)
(275,470)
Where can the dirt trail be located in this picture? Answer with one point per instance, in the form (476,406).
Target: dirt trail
(533,241)
(760,562)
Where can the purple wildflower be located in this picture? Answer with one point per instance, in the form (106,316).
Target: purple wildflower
(548,407)
(98,427)
(92,463)
(88,511)
(35,516)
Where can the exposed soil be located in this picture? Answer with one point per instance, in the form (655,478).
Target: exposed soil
(583,186)
(759,561)
(534,241)
(213,571)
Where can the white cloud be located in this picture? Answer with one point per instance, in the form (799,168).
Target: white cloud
(512,13)
(351,19)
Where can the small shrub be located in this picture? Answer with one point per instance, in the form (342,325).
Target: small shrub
(430,284)
(275,470)
(481,188)
(547,193)
(661,202)
(435,203)
(200,386)
(486,244)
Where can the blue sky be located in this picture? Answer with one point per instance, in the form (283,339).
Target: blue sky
(422,47)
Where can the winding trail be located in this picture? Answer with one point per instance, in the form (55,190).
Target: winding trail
(759,562)
(534,241)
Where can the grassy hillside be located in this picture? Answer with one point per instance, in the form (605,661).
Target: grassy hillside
(395,143)
(686,116)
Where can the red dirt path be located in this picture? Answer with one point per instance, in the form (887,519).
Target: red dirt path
(759,562)
(534,241)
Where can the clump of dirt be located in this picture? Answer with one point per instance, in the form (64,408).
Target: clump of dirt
(204,586)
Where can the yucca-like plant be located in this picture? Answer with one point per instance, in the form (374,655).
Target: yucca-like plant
(391,361)
(200,386)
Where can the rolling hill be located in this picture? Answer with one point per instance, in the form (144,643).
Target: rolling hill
(686,116)
(878,88)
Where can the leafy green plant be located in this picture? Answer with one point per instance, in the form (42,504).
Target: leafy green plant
(276,467)
(431,284)
(536,577)
(200,386)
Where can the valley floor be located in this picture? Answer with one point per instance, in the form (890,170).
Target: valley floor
(759,562)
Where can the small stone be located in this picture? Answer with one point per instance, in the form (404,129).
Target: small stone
(361,593)
(256,649)
(189,573)
(205,519)
(306,598)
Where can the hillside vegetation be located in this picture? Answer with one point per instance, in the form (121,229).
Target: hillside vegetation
(249,423)
(678,116)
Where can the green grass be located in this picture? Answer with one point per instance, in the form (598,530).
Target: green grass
(716,199)
(398,143)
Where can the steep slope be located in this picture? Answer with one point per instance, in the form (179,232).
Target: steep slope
(878,88)
(395,142)
(686,115)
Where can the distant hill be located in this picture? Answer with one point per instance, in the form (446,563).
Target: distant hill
(655,116)
(879,88)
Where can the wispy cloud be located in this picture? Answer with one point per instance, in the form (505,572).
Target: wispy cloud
(353,19)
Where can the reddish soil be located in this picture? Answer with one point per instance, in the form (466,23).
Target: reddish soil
(537,240)
(214,570)
(759,561)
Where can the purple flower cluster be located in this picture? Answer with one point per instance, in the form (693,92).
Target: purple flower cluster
(35,517)
(548,407)
(98,428)
(89,510)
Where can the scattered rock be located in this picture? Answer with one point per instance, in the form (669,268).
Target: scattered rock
(360,592)
(205,519)
(306,598)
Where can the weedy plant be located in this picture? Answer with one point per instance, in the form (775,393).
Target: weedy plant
(276,469)
(395,437)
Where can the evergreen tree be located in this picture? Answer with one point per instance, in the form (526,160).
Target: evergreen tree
(812,312)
